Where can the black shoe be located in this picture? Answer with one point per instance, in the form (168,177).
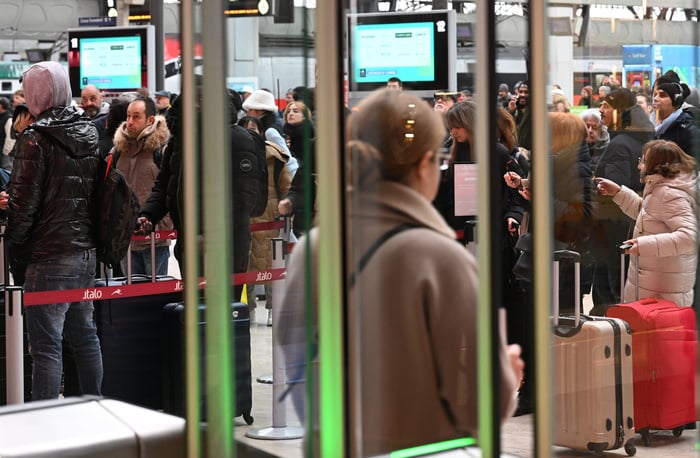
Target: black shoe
(525,407)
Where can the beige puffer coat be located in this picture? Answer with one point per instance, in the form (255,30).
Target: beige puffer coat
(667,234)
(260,248)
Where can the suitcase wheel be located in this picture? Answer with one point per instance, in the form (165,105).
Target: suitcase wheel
(248,419)
(630,449)
(646,437)
(678,431)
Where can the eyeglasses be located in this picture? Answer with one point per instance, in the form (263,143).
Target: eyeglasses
(593,126)
(444,96)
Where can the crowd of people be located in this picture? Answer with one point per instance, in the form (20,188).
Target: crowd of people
(623,173)
(52,145)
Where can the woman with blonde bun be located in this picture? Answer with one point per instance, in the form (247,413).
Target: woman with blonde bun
(411,310)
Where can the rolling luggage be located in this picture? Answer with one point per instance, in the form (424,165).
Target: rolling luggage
(130,331)
(664,337)
(592,358)
(174,356)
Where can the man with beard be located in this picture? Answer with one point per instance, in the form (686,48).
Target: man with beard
(94,106)
(629,129)
(520,109)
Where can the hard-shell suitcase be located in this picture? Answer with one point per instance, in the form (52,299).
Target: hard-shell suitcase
(592,358)
(664,337)
(174,359)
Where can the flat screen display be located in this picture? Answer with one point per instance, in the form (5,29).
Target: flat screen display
(115,59)
(111,63)
(418,48)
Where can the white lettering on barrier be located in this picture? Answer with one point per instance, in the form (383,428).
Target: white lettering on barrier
(264,276)
(92,294)
(179,286)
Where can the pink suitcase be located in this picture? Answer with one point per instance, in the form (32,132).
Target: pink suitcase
(592,360)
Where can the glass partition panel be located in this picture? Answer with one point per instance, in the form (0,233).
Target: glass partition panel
(463,147)
(572,84)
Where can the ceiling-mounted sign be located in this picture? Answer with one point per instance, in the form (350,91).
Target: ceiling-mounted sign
(247,8)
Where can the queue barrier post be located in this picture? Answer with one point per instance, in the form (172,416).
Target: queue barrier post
(14,344)
(279,429)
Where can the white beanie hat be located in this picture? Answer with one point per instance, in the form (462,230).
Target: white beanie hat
(260,100)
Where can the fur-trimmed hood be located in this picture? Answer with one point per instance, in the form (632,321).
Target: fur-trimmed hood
(149,139)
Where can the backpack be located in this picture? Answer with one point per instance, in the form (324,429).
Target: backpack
(117,212)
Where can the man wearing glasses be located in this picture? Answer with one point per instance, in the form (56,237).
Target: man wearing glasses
(442,101)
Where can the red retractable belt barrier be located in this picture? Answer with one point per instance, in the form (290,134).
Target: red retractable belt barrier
(140,289)
(152,288)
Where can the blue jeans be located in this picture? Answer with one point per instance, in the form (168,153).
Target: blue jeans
(141,261)
(48,325)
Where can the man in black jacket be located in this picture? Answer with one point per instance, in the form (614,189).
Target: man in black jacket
(50,231)
(629,129)
(166,195)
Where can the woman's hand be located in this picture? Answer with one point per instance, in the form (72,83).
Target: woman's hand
(525,192)
(513,226)
(285,207)
(512,179)
(606,187)
(633,247)
(516,362)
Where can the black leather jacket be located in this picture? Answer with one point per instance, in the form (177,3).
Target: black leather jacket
(52,189)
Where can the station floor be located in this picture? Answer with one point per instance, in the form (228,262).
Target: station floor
(517,433)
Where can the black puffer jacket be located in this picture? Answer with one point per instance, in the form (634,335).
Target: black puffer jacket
(619,161)
(52,189)
(683,132)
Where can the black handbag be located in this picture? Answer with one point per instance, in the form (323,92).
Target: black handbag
(522,270)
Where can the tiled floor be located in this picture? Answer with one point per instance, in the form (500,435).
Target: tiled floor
(517,433)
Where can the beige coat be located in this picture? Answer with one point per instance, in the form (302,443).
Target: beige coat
(139,169)
(411,322)
(260,248)
(667,234)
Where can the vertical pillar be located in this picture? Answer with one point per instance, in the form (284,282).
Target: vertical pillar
(243,40)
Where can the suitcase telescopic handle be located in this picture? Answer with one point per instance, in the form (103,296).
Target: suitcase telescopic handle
(623,251)
(560,255)
(567,254)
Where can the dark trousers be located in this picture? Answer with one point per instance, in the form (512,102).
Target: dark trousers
(606,268)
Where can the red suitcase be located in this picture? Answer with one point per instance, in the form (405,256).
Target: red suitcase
(664,338)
